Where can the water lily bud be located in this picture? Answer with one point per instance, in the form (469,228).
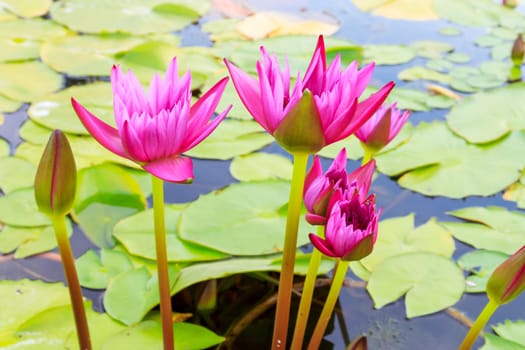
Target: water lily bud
(518,50)
(511,3)
(207,301)
(359,343)
(55,180)
(508,280)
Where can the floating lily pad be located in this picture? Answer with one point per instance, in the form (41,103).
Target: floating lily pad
(135,16)
(137,235)
(148,335)
(27,8)
(95,271)
(232,138)
(439,64)
(137,287)
(398,236)
(4,148)
(261,166)
(21,39)
(7,105)
(29,241)
(431,49)
(516,192)
(106,193)
(18,208)
(513,331)
(419,72)
(450,31)
(222,29)
(388,54)
(81,55)
(457,57)
(242,219)
(487,116)
(55,111)
(399,9)
(493,228)
(24,170)
(480,264)
(483,13)
(17,86)
(431,283)
(427,167)
(488,41)
(493,342)
(21,300)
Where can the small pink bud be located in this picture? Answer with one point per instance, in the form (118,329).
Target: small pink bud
(518,50)
(359,343)
(55,180)
(508,280)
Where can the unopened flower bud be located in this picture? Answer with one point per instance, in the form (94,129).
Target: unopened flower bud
(508,280)
(518,50)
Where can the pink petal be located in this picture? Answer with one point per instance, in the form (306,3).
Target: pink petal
(368,107)
(363,177)
(177,169)
(105,134)
(321,244)
(315,171)
(249,92)
(314,219)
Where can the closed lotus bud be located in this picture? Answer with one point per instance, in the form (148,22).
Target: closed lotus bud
(55,180)
(508,280)
(511,3)
(518,50)
(359,343)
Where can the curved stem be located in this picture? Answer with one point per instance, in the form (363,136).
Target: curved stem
(75,293)
(284,294)
(478,325)
(162,263)
(306,296)
(331,299)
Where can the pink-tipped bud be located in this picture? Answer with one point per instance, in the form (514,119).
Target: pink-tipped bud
(518,50)
(55,180)
(511,3)
(508,280)
(359,343)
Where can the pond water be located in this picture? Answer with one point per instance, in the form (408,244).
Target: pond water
(386,328)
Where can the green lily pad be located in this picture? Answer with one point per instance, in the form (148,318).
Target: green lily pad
(137,287)
(27,8)
(487,116)
(21,300)
(16,86)
(419,72)
(4,148)
(398,236)
(388,54)
(81,55)
(55,111)
(450,31)
(24,170)
(493,228)
(516,192)
(261,166)
(232,138)
(148,335)
(192,274)
(431,283)
(480,264)
(487,13)
(95,271)
(18,208)
(427,167)
(136,234)
(439,64)
(106,193)
(29,241)
(488,41)
(135,16)
(493,342)
(21,39)
(513,331)
(7,105)
(431,49)
(457,57)
(242,219)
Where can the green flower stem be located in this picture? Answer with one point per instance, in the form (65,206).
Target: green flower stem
(75,293)
(478,325)
(331,300)
(162,263)
(306,296)
(368,154)
(284,294)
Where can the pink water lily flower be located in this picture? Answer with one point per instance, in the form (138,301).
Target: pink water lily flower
(322,108)
(320,189)
(382,127)
(154,129)
(351,228)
